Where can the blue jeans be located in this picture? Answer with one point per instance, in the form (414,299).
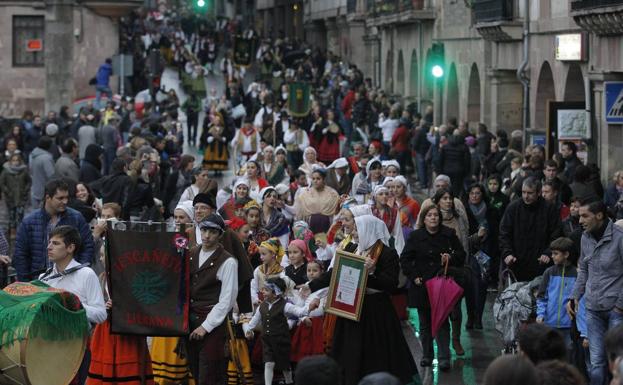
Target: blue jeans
(98,94)
(597,324)
(422,169)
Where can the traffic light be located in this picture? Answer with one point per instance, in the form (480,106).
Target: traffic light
(437,60)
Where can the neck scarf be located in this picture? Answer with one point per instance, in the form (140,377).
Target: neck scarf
(302,245)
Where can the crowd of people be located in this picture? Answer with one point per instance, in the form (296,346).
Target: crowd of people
(361,171)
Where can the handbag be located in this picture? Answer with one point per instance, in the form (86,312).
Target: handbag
(484,262)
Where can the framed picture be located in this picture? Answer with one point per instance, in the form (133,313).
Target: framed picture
(348,285)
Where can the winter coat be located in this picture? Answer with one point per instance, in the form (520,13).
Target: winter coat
(454,158)
(554,293)
(600,270)
(31,244)
(66,167)
(91,165)
(15,184)
(87,135)
(112,188)
(41,171)
(103,75)
(525,233)
(421,258)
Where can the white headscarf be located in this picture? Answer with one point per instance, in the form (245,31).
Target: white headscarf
(360,210)
(402,180)
(370,163)
(388,180)
(370,229)
(263,192)
(378,189)
(339,163)
(391,162)
(187,208)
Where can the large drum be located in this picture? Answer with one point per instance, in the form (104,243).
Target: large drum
(43,350)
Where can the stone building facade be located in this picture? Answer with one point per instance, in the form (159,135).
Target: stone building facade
(484,47)
(73,38)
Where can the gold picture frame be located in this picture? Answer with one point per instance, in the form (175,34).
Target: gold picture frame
(348,285)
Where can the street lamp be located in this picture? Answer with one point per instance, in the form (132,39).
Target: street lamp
(201,3)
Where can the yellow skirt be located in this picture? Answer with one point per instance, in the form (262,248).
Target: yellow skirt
(216,157)
(168,367)
(239,372)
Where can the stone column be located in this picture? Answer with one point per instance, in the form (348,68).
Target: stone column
(59,52)
(505,98)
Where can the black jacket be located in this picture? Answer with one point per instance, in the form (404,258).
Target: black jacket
(525,233)
(112,188)
(91,165)
(454,158)
(421,258)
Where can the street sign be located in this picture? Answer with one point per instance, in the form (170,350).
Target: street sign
(34,45)
(614,102)
(123,65)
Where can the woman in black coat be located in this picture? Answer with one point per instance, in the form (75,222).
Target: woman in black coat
(424,256)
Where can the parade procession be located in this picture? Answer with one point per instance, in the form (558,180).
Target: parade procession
(212,192)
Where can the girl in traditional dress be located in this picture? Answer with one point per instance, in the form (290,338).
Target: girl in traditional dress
(234,207)
(363,188)
(117,358)
(273,172)
(299,255)
(389,215)
(271,254)
(308,336)
(317,204)
(256,182)
(168,357)
(272,219)
(408,207)
(257,234)
(214,145)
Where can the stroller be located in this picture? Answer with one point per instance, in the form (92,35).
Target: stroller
(514,308)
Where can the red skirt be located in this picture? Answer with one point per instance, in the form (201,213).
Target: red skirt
(328,152)
(118,359)
(308,340)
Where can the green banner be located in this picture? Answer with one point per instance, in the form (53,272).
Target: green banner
(299,100)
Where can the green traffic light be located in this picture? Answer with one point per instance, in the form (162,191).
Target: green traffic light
(437,71)
(201,3)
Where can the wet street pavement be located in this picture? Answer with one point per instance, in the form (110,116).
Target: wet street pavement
(481,347)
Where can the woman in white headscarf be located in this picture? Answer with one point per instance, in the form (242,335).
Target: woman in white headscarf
(234,206)
(310,162)
(389,214)
(376,342)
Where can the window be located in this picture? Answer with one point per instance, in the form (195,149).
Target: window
(27,52)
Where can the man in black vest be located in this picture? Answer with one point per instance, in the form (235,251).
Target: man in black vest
(213,291)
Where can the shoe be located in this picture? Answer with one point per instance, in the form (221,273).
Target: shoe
(445,366)
(425,362)
(478,325)
(456,345)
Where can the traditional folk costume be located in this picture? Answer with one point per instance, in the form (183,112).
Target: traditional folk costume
(309,340)
(213,290)
(246,143)
(296,141)
(375,343)
(263,272)
(391,217)
(239,371)
(341,184)
(327,138)
(317,207)
(274,172)
(276,344)
(214,143)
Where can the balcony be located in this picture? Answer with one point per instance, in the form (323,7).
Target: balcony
(111,8)
(494,20)
(391,12)
(601,17)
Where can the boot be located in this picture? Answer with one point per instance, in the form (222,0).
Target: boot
(456,338)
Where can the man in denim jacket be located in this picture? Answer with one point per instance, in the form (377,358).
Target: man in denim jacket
(600,280)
